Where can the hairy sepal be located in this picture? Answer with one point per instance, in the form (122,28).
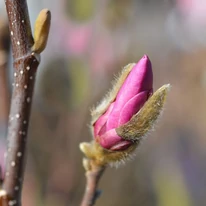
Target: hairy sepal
(102,157)
(142,122)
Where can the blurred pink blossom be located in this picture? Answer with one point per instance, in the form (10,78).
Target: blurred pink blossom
(78,39)
(195,10)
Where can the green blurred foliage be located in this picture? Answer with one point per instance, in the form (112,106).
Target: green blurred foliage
(80,10)
(117,13)
(79,82)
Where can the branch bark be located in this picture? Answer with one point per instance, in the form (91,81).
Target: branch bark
(4,83)
(93,174)
(25,64)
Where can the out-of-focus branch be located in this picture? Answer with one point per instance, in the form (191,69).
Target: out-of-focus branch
(93,175)
(25,64)
(4,53)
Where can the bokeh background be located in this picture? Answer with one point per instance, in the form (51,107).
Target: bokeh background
(89,42)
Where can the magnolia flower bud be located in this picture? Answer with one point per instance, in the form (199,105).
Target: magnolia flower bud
(132,95)
(126,114)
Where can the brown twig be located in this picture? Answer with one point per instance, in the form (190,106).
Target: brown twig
(93,175)
(4,94)
(25,66)
(4,82)
(4,86)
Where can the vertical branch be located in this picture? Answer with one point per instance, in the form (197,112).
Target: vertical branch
(4,93)
(4,86)
(93,174)
(20,29)
(25,65)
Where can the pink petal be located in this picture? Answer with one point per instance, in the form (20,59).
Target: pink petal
(99,126)
(132,107)
(139,79)
(109,139)
(121,145)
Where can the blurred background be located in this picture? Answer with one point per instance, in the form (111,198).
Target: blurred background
(89,42)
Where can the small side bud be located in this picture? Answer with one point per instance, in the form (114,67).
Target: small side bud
(41,31)
(86,164)
(4,199)
(85,148)
(145,119)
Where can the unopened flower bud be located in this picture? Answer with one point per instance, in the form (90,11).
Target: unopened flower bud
(131,96)
(126,114)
